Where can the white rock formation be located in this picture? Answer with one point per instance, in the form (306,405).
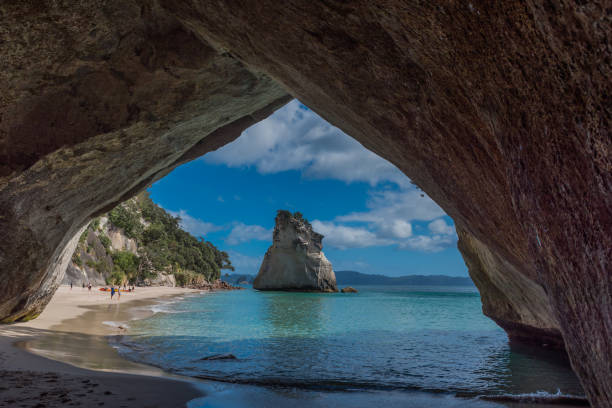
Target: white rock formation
(295,261)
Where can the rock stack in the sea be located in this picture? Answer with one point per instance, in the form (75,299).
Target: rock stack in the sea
(295,261)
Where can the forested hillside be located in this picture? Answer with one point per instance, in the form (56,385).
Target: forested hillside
(138,242)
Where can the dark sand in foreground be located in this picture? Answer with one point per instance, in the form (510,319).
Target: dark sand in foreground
(31,380)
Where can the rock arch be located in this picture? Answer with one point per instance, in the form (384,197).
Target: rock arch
(500,111)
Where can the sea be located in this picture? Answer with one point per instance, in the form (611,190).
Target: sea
(404,346)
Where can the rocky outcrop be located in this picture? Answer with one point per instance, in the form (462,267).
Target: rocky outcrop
(96,103)
(349,289)
(160,279)
(216,285)
(295,261)
(516,303)
(500,111)
(92,260)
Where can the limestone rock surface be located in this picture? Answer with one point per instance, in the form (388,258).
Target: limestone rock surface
(499,111)
(97,101)
(295,260)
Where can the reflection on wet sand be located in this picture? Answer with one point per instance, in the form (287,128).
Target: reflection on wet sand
(83,341)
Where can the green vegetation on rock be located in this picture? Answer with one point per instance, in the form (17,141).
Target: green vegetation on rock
(125,267)
(284,214)
(162,247)
(126,217)
(166,244)
(106,242)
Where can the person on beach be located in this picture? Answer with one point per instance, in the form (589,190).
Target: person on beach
(112,292)
(89,287)
(119,293)
(70,285)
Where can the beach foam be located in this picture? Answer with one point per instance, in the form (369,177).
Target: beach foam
(117,325)
(539,397)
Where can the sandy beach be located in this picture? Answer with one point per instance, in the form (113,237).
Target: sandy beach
(74,319)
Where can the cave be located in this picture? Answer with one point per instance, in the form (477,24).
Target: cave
(500,112)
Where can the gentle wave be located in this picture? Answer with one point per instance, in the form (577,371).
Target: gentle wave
(117,325)
(539,397)
(323,385)
(165,307)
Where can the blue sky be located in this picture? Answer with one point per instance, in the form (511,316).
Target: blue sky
(374,220)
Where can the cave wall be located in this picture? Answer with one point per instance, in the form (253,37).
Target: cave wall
(516,303)
(98,100)
(499,110)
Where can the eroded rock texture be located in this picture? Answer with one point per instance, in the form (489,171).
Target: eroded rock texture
(295,260)
(499,110)
(511,299)
(98,100)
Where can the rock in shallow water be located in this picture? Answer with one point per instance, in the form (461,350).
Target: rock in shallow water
(226,356)
(295,261)
(349,289)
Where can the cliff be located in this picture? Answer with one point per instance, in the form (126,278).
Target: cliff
(139,243)
(295,260)
(499,111)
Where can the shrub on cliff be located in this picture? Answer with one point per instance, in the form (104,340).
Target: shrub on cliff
(117,277)
(167,244)
(162,246)
(127,220)
(126,262)
(106,242)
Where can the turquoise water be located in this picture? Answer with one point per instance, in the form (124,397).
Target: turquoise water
(382,340)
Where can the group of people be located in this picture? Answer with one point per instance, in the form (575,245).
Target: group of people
(117,290)
(88,285)
(113,290)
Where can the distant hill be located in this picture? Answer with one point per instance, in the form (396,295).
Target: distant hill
(358,278)
(236,278)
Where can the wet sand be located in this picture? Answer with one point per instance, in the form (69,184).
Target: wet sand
(71,331)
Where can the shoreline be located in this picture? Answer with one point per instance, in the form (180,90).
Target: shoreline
(64,358)
(88,372)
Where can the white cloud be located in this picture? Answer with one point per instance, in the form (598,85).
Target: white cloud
(400,235)
(428,243)
(194,226)
(406,205)
(343,237)
(295,138)
(389,223)
(243,233)
(395,228)
(439,226)
(245,263)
